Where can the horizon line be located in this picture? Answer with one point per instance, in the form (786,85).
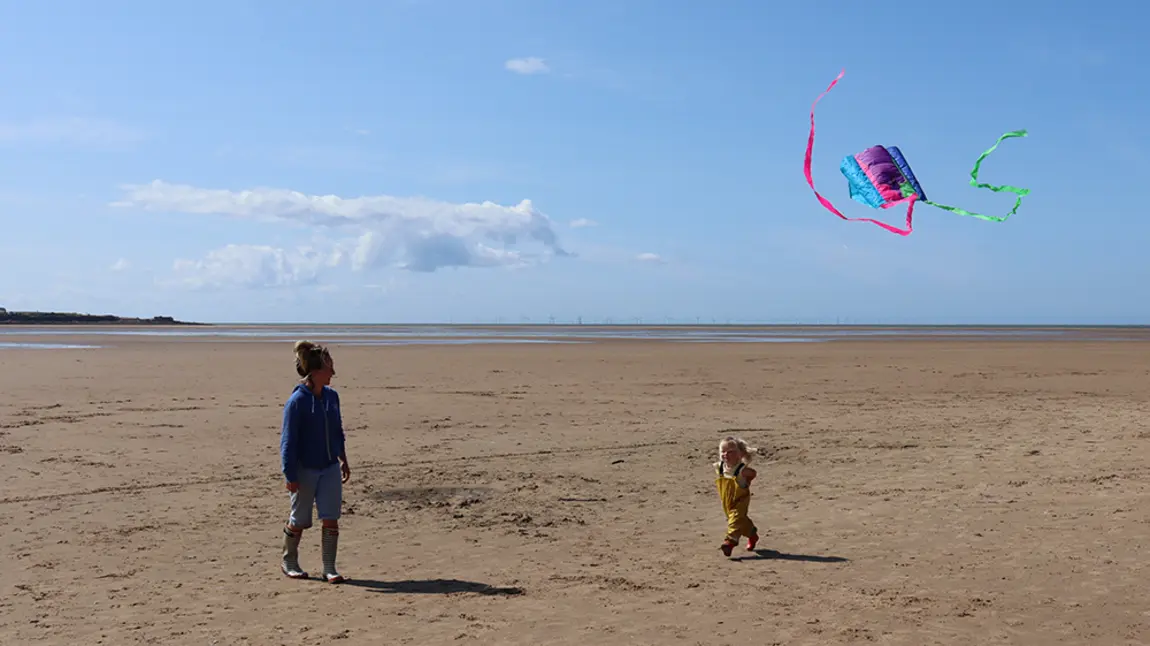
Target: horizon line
(682,325)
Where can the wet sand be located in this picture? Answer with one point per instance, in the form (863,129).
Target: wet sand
(926,492)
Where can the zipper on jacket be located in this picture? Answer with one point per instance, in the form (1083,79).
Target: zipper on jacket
(326,433)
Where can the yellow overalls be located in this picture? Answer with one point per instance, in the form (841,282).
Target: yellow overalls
(736,498)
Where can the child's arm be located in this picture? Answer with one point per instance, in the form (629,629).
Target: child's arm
(749,475)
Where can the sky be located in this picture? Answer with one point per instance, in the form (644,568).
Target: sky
(477,161)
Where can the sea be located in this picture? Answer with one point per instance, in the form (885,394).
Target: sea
(63,337)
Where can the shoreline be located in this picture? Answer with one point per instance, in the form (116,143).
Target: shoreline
(41,319)
(70,319)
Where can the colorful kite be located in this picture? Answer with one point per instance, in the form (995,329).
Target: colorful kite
(880,178)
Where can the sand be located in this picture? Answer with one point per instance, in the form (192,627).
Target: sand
(931,492)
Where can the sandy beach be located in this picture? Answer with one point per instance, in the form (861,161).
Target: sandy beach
(940,491)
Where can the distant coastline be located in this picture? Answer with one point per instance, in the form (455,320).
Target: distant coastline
(65,318)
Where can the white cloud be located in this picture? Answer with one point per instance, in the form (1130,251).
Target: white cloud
(416,234)
(529,65)
(427,253)
(75,130)
(582,222)
(649,257)
(120,265)
(253,266)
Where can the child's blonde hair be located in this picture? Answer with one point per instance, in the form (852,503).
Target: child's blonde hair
(748,451)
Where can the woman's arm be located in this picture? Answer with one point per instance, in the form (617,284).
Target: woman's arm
(289,443)
(345,468)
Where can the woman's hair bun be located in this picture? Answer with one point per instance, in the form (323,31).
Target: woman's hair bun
(308,356)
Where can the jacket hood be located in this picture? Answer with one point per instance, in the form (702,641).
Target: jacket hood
(302,391)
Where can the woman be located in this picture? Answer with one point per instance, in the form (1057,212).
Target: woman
(311,444)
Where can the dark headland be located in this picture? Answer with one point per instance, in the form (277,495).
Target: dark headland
(63,318)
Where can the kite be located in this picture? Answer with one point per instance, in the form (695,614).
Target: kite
(880,178)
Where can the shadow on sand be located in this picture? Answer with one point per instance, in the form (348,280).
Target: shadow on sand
(773,555)
(433,586)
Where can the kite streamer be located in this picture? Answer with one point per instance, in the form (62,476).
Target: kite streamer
(880,177)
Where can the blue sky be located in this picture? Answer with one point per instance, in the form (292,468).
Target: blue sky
(475,160)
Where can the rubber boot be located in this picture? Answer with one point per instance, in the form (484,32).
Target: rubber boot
(290,565)
(330,546)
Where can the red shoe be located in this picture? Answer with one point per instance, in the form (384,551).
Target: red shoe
(727,546)
(751,542)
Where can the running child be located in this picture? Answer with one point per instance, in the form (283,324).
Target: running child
(733,481)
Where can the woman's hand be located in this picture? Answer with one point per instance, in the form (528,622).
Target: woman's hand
(345,469)
(293,487)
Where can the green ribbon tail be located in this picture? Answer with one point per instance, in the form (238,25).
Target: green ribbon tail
(1020,192)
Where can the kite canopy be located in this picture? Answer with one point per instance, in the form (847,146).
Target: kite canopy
(879,177)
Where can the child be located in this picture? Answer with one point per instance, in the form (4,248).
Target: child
(734,481)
